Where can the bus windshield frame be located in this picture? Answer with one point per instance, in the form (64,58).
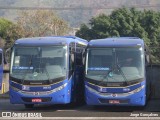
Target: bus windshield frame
(39,63)
(112,68)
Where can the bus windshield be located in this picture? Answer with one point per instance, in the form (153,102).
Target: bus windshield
(115,64)
(38,63)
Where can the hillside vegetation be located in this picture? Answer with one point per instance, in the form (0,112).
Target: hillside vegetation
(74,16)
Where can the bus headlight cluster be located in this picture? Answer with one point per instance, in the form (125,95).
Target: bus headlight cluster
(137,90)
(59,88)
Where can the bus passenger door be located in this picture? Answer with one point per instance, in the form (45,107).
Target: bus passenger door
(79,70)
(71,68)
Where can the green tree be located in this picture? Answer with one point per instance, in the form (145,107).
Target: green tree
(100,26)
(4,26)
(84,32)
(2,42)
(126,23)
(151,23)
(121,22)
(8,32)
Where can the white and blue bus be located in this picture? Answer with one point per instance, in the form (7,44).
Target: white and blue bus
(115,72)
(1,68)
(47,70)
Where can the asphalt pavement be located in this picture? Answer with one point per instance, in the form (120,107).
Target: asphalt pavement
(151,111)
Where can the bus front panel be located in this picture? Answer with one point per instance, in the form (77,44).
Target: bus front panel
(115,69)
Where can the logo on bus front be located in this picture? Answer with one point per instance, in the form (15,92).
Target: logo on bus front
(36,93)
(114,95)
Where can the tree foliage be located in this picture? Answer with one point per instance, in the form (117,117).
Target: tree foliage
(2,43)
(31,24)
(4,27)
(8,33)
(126,23)
(41,23)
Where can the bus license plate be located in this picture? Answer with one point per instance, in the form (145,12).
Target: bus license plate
(114,101)
(36,100)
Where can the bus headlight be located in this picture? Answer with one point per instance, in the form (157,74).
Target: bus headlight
(137,90)
(59,88)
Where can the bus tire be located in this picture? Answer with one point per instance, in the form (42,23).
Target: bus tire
(28,105)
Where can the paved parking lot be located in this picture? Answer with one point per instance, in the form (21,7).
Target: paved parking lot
(152,111)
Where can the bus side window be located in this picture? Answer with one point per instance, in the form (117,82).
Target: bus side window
(79,55)
(80,52)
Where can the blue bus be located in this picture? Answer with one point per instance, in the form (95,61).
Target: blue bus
(1,68)
(115,72)
(47,70)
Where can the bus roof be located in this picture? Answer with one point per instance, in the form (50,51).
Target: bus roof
(51,40)
(116,42)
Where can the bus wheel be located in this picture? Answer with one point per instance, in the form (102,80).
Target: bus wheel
(29,105)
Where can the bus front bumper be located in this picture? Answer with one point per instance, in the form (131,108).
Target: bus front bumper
(62,96)
(96,98)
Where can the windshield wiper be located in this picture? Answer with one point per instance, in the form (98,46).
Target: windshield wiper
(106,76)
(122,73)
(117,67)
